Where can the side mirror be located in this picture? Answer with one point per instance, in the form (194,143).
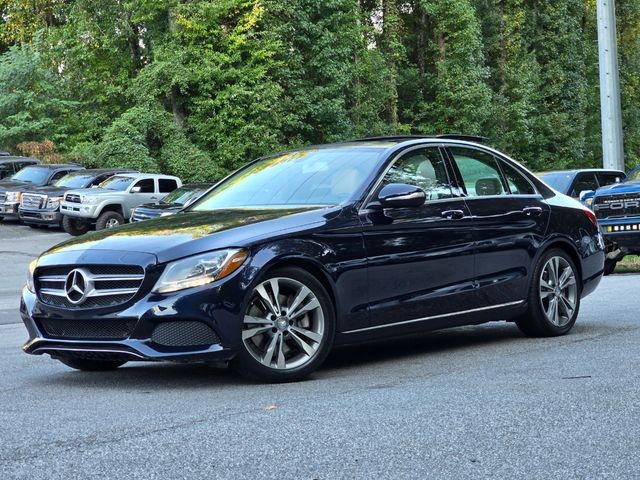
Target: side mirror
(584,193)
(400,195)
(136,189)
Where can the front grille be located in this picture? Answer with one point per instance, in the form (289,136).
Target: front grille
(139,216)
(88,329)
(32,201)
(100,286)
(617,206)
(3,197)
(72,197)
(184,334)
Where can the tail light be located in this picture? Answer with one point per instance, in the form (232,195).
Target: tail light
(592,216)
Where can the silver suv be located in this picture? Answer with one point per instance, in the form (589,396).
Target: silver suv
(110,204)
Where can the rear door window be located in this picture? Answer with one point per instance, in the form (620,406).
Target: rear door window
(584,181)
(518,184)
(167,185)
(481,175)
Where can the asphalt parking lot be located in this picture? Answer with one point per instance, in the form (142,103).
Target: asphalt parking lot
(473,402)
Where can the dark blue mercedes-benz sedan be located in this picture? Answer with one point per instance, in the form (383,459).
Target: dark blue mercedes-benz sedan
(297,252)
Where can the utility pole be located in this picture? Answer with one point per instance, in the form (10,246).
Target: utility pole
(611,112)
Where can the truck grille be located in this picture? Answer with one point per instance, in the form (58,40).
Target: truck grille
(32,201)
(617,206)
(98,286)
(72,197)
(139,215)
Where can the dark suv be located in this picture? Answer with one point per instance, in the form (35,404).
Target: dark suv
(10,165)
(11,188)
(40,206)
(300,251)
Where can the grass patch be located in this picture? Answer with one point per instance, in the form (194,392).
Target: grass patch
(630,263)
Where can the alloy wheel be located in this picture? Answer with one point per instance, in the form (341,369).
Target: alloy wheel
(284,324)
(112,222)
(558,291)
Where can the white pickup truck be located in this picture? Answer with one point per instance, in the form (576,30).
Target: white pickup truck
(109,204)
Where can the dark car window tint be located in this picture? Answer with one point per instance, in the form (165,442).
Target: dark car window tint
(585,181)
(480,172)
(5,170)
(605,179)
(518,185)
(146,186)
(423,168)
(167,185)
(57,176)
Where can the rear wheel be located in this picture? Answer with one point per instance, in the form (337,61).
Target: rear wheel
(609,266)
(74,226)
(109,220)
(288,327)
(91,365)
(554,297)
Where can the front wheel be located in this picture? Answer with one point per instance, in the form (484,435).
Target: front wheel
(554,297)
(288,327)
(91,365)
(109,220)
(74,226)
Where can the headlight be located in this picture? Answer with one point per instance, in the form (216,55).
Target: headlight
(166,214)
(13,197)
(89,199)
(588,201)
(199,270)
(32,268)
(53,202)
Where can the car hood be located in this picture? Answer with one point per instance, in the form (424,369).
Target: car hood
(12,185)
(95,191)
(618,188)
(50,190)
(190,233)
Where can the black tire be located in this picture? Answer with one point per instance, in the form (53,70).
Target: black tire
(74,226)
(91,365)
(535,322)
(609,266)
(108,220)
(250,367)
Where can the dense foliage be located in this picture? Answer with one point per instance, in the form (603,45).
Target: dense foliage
(197,88)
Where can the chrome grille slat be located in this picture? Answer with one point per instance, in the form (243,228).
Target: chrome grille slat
(72,197)
(107,285)
(33,201)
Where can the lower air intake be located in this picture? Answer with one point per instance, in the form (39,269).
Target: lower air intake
(184,334)
(88,329)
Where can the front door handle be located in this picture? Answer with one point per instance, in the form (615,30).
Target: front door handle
(532,211)
(453,214)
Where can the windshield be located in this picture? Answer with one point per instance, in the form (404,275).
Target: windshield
(561,181)
(37,175)
(181,195)
(634,175)
(117,182)
(308,177)
(74,180)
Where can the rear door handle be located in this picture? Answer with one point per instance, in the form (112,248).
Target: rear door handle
(532,211)
(453,214)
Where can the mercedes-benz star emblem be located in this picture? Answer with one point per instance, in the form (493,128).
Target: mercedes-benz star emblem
(77,286)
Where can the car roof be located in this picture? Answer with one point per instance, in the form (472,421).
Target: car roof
(56,166)
(146,175)
(12,159)
(583,170)
(98,171)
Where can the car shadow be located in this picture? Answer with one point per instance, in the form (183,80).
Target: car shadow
(161,376)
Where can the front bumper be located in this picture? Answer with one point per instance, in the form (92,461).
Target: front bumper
(9,210)
(78,210)
(623,233)
(216,306)
(40,217)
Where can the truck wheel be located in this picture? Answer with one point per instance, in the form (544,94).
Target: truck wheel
(74,227)
(609,266)
(109,220)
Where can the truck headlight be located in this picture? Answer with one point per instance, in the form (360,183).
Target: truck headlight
(90,199)
(32,268)
(13,197)
(53,202)
(199,270)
